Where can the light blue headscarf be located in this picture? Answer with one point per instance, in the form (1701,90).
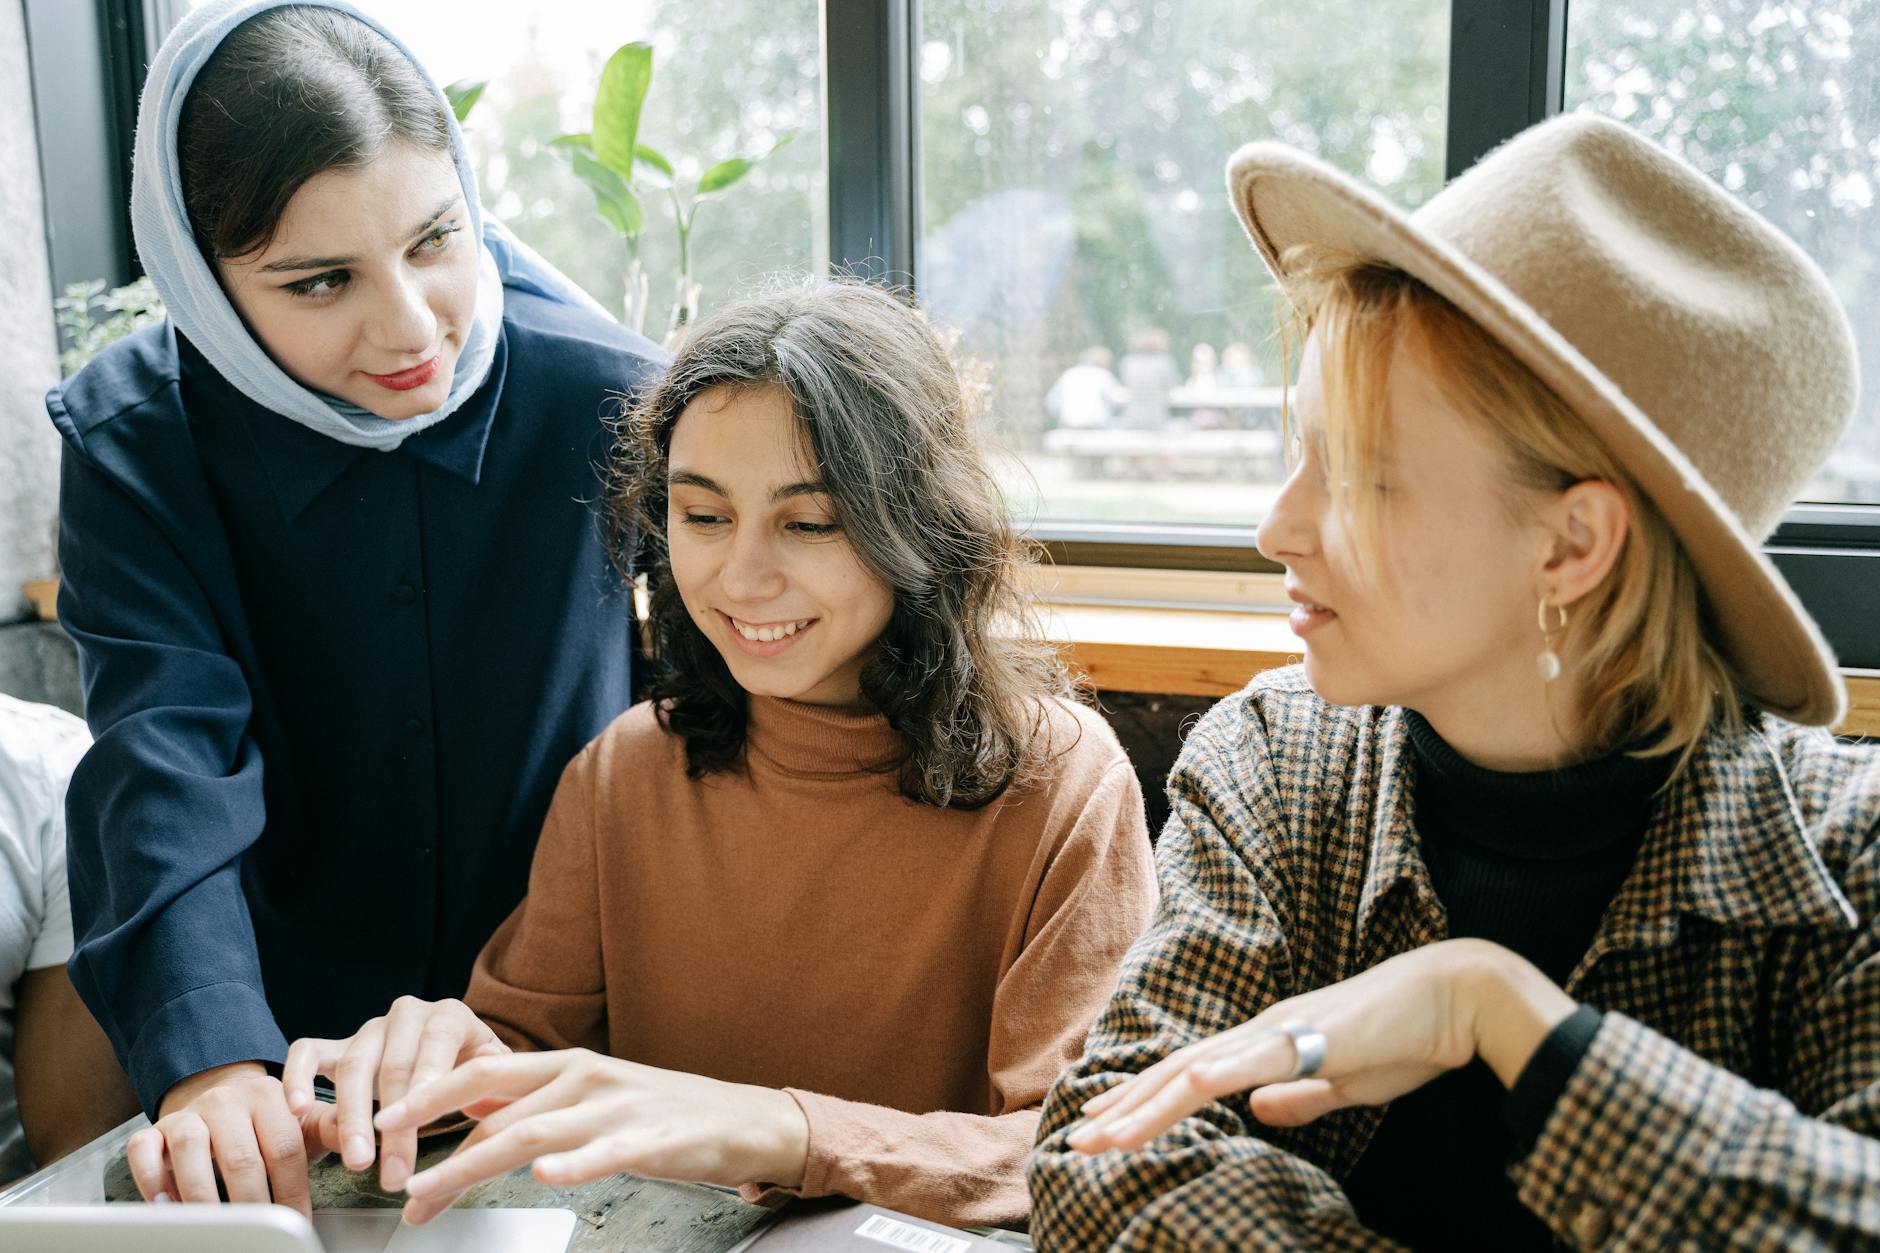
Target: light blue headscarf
(195,299)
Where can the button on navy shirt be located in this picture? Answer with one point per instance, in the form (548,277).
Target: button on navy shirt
(332,689)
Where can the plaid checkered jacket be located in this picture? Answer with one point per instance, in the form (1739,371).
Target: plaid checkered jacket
(1730,1099)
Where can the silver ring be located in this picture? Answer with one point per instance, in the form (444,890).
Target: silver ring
(1308,1047)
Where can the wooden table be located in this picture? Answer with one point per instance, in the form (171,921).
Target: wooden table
(616,1213)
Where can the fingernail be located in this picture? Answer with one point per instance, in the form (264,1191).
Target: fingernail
(393,1177)
(161,1198)
(358,1152)
(420,1183)
(1082,1135)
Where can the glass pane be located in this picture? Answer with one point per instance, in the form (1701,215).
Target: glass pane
(1781,104)
(1077,237)
(729,79)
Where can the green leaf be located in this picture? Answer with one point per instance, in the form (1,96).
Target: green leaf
(626,217)
(648,156)
(725,173)
(464,94)
(614,199)
(579,139)
(617,101)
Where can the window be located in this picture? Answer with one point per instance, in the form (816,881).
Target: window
(1779,102)
(1049,171)
(1076,236)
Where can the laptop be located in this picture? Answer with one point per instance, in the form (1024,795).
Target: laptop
(852,1227)
(275,1229)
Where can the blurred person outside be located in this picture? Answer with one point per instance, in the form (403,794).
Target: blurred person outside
(1087,396)
(1150,374)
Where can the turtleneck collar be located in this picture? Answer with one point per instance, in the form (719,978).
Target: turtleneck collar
(820,741)
(1533,814)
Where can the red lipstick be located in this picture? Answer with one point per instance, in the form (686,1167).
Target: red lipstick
(405,380)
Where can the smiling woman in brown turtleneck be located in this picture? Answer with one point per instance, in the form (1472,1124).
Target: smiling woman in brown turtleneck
(830,912)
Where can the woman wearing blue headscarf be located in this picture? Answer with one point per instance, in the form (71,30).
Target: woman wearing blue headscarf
(342,608)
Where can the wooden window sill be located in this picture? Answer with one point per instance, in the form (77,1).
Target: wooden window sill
(1215,652)
(1179,645)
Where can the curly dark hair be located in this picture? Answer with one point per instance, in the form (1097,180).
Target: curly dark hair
(961,671)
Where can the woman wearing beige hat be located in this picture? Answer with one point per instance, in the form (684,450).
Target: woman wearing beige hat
(1535,905)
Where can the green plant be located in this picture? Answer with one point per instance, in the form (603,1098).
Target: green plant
(89,318)
(615,165)
(464,94)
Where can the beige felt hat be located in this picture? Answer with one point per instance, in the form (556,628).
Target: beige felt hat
(1697,341)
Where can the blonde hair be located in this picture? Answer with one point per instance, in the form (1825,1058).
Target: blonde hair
(1641,645)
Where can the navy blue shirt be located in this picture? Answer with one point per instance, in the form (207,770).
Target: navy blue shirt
(332,689)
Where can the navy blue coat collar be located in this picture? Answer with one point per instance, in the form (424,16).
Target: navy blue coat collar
(302,463)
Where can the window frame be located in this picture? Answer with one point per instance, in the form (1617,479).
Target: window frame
(1829,552)
(1518,50)
(86,63)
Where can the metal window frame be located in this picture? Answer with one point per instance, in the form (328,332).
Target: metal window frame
(871,117)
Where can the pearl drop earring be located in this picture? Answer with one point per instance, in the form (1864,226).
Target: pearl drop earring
(1549,660)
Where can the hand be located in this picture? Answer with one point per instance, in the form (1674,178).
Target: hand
(1388,1031)
(580,1116)
(233,1119)
(413,1043)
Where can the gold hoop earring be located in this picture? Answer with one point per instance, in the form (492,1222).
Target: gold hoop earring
(1549,660)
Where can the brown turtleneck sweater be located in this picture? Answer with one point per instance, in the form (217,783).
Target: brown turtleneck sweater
(915,977)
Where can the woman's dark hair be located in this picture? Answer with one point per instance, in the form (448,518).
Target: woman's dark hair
(291,93)
(960,671)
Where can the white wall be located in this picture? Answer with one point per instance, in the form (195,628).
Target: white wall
(29,449)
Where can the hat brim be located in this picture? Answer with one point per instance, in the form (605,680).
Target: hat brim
(1286,198)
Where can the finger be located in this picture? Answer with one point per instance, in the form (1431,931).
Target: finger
(1209,1075)
(1134,1090)
(1230,1062)
(1104,1099)
(482,1109)
(559,1093)
(354,1079)
(406,1028)
(1297,1103)
(418,1211)
(191,1164)
(509,1076)
(284,1152)
(450,1032)
(556,1130)
(144,1153)
(593,1160)
(1266,1058)
(1139,1090)
(238,1155)
(312,1124)
(305,1059)
(325,1122)
(1133,1093)
(1176,1101)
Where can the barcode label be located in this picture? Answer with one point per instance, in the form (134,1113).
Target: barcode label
(881,1228)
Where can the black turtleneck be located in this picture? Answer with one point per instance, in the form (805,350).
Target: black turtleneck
(1530,861)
